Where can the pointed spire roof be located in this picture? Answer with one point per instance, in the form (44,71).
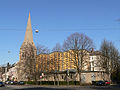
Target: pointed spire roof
(28,34)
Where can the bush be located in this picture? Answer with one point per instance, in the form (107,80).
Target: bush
(52,83)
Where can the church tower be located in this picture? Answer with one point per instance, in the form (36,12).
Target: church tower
(28,34)
(28,39)
(27,54)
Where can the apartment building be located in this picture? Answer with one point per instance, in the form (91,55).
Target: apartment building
(66,64)
(61,61)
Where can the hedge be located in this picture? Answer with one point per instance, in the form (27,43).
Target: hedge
(53,83)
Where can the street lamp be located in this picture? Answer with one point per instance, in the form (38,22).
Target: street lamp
(68,73)
(36,31)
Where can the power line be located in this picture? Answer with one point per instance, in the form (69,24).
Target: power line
(62,29)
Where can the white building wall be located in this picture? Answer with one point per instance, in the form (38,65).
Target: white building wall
(95,63)
(12,73)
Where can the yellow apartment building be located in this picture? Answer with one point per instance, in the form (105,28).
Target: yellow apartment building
(60,61)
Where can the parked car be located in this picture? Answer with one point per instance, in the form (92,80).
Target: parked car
(100,83)
(94,82)
(7,82)
(1,84)
(11,82)
(107,83)
(21,83)
(15,82)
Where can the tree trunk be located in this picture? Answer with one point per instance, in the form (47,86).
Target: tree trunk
(67,81)
(54,79)
(80,78)
(58,80)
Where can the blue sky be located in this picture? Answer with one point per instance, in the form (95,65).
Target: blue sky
(56,20)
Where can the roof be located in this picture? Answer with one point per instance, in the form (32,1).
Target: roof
(28,34)
(96,53)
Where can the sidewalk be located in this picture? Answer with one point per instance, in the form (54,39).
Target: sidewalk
(60,86)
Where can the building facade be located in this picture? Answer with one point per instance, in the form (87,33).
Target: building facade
(63,66)
(62,61)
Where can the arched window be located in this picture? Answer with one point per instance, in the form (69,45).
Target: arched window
(23,55)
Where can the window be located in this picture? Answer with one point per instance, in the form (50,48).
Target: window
(92,63)
(71,76)
(23,55)
(62,77)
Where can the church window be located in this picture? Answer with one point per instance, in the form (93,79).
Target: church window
(23,55)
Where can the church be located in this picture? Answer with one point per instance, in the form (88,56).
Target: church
(27,54)
(42,67)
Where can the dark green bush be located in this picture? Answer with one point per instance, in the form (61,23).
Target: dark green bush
(53,82)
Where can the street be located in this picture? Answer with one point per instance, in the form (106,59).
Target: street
(36,87)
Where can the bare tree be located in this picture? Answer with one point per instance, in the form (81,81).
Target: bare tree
(56,51)
(80,44)
(2,71)
(27,64)
(57,48)
(42,61)
(41,49)
(111,61)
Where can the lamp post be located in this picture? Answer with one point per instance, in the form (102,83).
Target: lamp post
(5,73)
(36,72)
(68,77)
(7,68)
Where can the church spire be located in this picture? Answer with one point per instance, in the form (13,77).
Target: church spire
(28,34)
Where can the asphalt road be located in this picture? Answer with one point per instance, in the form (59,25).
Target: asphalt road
(28,87)
(5,88)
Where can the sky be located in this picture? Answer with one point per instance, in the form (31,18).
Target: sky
(56,20)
